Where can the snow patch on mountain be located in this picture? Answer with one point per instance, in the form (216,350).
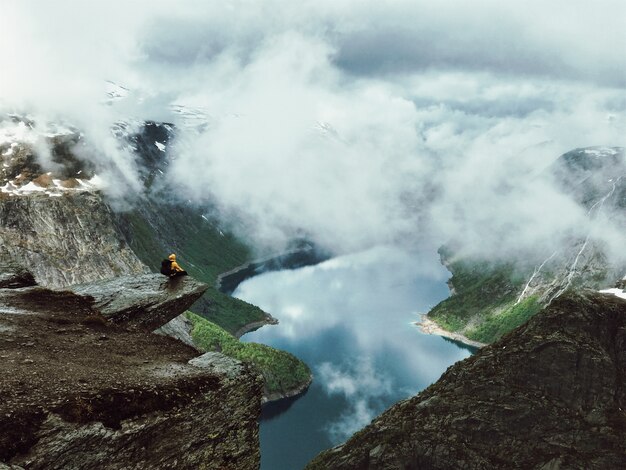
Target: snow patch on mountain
(600,151)
(615,291)
(55,187)
(192,118)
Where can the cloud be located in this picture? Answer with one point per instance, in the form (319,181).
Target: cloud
(352,123)
(362,386)
(562,40)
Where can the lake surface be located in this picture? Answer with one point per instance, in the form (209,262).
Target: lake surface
(350,319)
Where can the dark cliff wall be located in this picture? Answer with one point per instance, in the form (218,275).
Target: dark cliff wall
(551,394)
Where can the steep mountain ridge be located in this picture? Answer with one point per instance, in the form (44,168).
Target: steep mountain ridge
(52,219)
(65,240)
(551,394)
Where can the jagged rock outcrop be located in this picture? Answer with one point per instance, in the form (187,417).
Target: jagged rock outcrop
(147,301)
(551,394)
(87,248)
(78,391)
(13,277)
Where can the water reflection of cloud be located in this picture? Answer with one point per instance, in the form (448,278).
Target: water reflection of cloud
(362,385)
(355,378)
(373,295)
(350,319)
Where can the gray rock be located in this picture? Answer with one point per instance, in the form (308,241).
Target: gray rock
(218,363)
(147,301)
(179,328)
(78,393)
(65,240)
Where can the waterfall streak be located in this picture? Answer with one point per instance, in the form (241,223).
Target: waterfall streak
(537,271)
(572,268)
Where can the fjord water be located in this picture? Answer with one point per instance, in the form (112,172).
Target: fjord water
(351,320)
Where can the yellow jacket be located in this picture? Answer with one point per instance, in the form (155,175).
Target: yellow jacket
(174,267)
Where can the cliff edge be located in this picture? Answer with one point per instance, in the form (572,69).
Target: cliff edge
(85,386)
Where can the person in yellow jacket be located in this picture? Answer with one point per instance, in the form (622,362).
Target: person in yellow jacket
(174,267)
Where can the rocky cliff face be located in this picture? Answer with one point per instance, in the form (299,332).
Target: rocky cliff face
(52,217)
(65,240)
(80,391)
(595,177)
(549,395)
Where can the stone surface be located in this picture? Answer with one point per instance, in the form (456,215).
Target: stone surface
(148,301)
(78,391)
(179,328)
(550,394)
(65,240)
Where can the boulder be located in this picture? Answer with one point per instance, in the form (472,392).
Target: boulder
(146,301)
(179,328)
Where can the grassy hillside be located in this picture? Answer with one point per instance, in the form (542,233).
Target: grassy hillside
(154,230)
(483,306)
(282,371)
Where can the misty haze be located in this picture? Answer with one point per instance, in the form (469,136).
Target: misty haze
(403,224)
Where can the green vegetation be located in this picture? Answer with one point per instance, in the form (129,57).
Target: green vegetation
(154,230)
(158,229)
(479,287)
(230,313)
(281,370)
(483,307)
(495,325)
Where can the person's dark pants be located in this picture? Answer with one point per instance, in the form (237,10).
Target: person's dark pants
(179,273)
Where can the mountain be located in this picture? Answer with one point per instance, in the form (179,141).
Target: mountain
(490,298)
(55,220)
(548,395)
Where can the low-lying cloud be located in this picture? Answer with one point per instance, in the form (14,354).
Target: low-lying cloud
(354,124)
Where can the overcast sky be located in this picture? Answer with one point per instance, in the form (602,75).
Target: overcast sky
(356,122)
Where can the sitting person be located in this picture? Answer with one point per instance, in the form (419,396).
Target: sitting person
(171,268)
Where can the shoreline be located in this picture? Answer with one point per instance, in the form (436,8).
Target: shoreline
(255,325)
(430,327)
(228,281)
(250,268)
(292,393)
